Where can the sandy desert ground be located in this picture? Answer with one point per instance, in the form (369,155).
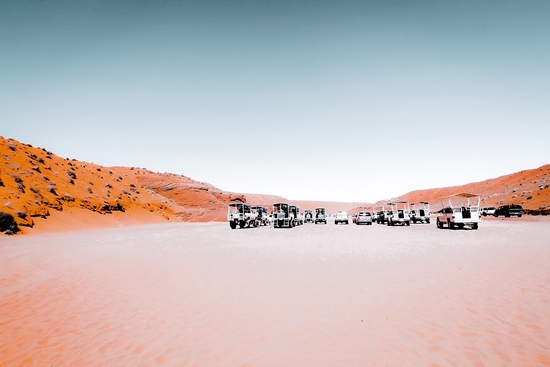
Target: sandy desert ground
(201,294)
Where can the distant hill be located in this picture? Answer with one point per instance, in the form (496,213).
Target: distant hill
(34,182)
(529,188)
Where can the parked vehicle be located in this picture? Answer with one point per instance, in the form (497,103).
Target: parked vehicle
(459,210)
(320,215)
(262,218)
(420,212)
(488,211)
(399,214)
(308,216)
(240,214)
(282,216)
(381,214)
(341,217)
(295,211)
(509,210)
(363,218)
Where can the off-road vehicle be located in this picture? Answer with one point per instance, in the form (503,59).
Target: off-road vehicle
(295,212)
(399,213)
(420,212)
(282,216)
(262,216)
(240,214)
(509,210)
(363,218)
(488,211)
(459,210)
(320,215)
(341,217)
(308,216)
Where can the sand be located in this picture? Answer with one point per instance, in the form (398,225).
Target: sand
(201,294)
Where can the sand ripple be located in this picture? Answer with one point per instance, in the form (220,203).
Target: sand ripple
(203,295)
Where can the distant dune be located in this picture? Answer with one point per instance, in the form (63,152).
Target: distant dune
(40,191)
(529,188)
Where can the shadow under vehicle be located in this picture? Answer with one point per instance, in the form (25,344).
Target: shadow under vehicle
(282,216)
(420,212)
(459,210)
(399,214)
(320,215)
(240,214)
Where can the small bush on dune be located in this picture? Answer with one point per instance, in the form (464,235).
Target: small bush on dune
(7,223)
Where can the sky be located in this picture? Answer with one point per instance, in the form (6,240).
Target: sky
(347,100)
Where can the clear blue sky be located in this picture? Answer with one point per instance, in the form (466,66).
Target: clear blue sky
(342,101)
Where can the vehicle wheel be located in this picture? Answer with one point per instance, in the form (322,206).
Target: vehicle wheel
(437,223)
(242,223)
(428,221)
(233,225)
(474,226)
(408,223)
(519,215)
(460,225)
(450,224)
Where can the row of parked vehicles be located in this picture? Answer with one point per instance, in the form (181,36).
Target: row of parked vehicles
(283,215)
(457,211)
(503,211)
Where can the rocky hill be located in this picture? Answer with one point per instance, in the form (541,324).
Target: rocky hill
(34,182)
(528,188)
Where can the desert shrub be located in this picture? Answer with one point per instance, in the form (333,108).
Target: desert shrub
(16,178)
(34,189)
(21,187)
(22,215)
(51,188)
(89,189)
(71,174)
(7,223)
(68,197)
(1,183)
(529,198)
(71,181)
(108,185)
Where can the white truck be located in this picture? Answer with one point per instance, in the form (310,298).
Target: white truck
(240,214)
(399,213)
(262,216)
(283,216)
(420,212)
(341,216)
(320,215)
(459,210)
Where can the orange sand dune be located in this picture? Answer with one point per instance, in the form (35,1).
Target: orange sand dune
(35,184)
(529,188)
